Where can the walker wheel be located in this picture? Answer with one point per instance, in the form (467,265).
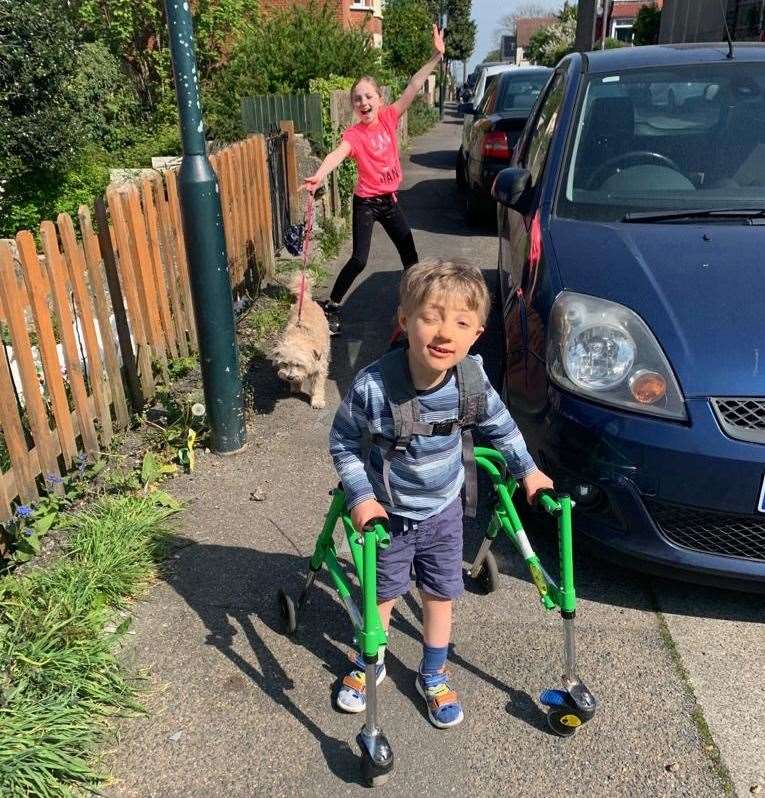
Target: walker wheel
(287,609)
(563,720)
(488,577)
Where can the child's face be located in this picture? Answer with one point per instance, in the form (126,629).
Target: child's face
(440,332)
(366,102)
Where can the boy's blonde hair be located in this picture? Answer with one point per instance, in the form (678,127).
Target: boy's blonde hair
(437,276)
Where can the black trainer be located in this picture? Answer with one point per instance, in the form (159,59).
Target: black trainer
(332,312)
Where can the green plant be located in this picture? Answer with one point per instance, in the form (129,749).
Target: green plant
(420,117)
(31,522)
(646,25)
(181,366)
(332,233)
(408,42)
(60,679)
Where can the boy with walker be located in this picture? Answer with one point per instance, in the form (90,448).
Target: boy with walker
(415,407)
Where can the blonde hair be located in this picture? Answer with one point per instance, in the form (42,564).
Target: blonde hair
(439,276)
(368,79)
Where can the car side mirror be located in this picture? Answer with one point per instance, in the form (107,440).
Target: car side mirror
(511,188)
(465,108)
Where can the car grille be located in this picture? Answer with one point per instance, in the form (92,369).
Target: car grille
(710,531)
(742,418)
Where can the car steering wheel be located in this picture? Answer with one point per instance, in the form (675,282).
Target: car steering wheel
(627,159)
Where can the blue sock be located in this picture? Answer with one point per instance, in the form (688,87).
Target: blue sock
(433,658)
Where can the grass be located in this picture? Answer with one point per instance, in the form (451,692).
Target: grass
(60,679)
(697,715)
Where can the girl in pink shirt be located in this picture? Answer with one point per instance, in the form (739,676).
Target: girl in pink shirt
(373,144)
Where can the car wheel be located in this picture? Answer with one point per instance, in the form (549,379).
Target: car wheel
(459,170)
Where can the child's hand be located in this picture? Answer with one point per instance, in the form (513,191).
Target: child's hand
(365,511)
(438,42)
(310,184)
(534,482)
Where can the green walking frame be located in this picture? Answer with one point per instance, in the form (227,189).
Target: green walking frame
(567,709)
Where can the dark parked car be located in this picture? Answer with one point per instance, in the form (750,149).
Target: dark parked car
(632,281)
(490,131)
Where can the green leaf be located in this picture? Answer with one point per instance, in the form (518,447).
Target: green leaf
(44,523)
(165,500)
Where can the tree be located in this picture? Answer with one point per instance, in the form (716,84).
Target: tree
(549,44)
(508,22)
(646,25)
(407,39)
(37,127)
(460,33)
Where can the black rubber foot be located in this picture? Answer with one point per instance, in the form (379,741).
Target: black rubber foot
(564,721)
(287,609)
(377,767)
(487,579)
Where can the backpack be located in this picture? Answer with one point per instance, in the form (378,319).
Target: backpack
(404,405)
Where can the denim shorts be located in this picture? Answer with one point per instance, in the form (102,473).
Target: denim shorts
(433,546)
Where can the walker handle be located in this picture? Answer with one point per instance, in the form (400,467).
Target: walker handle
(547,500)
(380,527)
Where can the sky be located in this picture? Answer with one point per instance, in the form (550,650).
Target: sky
(487,14)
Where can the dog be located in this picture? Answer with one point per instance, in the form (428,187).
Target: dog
(301,355)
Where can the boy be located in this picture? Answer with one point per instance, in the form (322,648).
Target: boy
(443,306)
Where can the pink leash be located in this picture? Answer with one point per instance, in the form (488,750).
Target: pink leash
(307,233)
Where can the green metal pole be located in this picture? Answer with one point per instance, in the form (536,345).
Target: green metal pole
(206,246)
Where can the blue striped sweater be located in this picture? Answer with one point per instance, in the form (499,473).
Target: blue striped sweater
(429,474)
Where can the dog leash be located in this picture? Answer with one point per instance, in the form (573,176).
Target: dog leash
(307,233)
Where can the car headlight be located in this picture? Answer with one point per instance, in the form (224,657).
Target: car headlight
(605,351)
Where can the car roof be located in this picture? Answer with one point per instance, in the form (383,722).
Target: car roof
(520,72)
(659,55)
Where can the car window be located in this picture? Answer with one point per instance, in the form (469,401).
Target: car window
(486,106)
(669,138)
(521,93)
(543,127)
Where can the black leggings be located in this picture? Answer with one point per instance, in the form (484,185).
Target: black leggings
(366,211)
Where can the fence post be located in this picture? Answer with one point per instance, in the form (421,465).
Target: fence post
(288,126)
(202,225)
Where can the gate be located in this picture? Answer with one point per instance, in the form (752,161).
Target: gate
(276,145)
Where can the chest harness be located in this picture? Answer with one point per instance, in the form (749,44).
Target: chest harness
(405,408)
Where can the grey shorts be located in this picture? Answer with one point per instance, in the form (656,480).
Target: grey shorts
(433,546)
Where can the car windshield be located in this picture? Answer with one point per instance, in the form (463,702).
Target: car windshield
(521,92)
(662,139)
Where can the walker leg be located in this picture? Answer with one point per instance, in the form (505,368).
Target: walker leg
(376,753)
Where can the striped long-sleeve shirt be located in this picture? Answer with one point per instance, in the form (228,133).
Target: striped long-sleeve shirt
(429,474)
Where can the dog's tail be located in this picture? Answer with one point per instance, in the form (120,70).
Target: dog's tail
(301,282)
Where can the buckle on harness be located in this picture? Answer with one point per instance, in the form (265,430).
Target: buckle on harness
(444,427)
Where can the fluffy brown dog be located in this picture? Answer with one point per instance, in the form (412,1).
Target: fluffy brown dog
(301,355)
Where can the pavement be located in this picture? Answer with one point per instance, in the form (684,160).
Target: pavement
(238,709)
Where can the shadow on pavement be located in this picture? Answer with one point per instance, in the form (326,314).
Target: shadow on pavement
(226,586)
(436,159)
(436,206)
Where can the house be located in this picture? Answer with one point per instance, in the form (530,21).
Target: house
(621,17)
(525,28)
(352,13)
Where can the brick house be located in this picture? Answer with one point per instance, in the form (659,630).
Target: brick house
(365,14)
(525,28)
(621,16)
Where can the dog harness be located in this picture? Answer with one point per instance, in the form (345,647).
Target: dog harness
(404,405)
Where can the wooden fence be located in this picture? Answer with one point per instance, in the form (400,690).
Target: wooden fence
(262,114)
(91,319)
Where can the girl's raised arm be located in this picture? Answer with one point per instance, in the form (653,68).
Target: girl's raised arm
(415,84)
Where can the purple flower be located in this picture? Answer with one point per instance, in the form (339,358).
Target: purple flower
(53,479)
(23,511)
(27,533)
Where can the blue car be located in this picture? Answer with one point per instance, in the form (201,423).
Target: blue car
(632,282)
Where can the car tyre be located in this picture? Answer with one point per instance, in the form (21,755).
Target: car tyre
(459,171)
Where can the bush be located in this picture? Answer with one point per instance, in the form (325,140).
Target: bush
(408,42)
(281,55)
(421,117)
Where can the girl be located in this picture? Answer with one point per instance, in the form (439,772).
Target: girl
(373,144)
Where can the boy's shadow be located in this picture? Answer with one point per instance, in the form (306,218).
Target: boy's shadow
(226,586)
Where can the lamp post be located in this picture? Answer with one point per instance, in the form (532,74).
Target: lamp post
(206,246)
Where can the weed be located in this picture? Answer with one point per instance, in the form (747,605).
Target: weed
(182,366)
(60,680)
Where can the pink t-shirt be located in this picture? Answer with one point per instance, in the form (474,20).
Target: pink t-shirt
(375,149)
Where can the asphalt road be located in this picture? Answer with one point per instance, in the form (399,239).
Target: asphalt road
(238,709)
